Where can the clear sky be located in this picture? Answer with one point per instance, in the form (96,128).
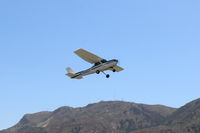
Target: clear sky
(157,42)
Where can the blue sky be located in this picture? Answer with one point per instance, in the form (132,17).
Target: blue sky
(157,42)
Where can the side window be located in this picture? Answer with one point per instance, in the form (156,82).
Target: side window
(103,61)
(96,63)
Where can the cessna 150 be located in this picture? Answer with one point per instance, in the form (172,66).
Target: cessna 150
(100,65)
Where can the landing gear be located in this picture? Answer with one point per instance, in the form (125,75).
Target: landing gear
(97,71)
(114,70)
(107,76)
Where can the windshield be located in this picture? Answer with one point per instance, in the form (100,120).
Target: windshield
(103,61)
(96,64)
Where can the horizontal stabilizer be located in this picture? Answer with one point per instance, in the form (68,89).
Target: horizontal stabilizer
(72,74)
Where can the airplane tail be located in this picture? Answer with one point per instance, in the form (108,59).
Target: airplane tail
(69,70)
(71,73)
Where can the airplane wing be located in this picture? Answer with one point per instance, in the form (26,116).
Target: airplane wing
(118,68)
(87,56)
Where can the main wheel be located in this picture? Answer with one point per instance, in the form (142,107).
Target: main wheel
(107,76)
(114,70)
(97,71)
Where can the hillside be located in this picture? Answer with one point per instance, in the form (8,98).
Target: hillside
(187,118)
(113,117)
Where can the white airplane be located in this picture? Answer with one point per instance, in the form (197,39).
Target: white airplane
(100,65)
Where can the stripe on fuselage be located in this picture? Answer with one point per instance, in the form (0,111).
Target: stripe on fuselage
(82,73)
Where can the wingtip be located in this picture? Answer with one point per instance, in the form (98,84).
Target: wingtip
(78,50)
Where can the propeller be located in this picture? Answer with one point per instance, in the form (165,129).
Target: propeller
(118,62)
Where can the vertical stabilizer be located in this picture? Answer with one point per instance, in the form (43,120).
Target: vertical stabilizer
(69,70)
(72,74)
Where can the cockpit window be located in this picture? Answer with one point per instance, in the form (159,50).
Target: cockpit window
(103,61)
(96,64)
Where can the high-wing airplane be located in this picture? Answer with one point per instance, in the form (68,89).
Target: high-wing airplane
(100,65)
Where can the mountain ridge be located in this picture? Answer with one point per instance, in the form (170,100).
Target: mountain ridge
(113,116)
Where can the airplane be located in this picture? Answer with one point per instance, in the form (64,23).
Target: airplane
(99,65)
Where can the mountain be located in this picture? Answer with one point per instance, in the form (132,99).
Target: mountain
(113,117)
(187,118)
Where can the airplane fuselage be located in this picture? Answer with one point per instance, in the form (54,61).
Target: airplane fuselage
(99,67)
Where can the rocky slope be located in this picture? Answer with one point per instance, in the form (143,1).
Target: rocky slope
(113,117)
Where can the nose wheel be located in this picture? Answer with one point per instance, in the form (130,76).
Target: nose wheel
(107,75)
